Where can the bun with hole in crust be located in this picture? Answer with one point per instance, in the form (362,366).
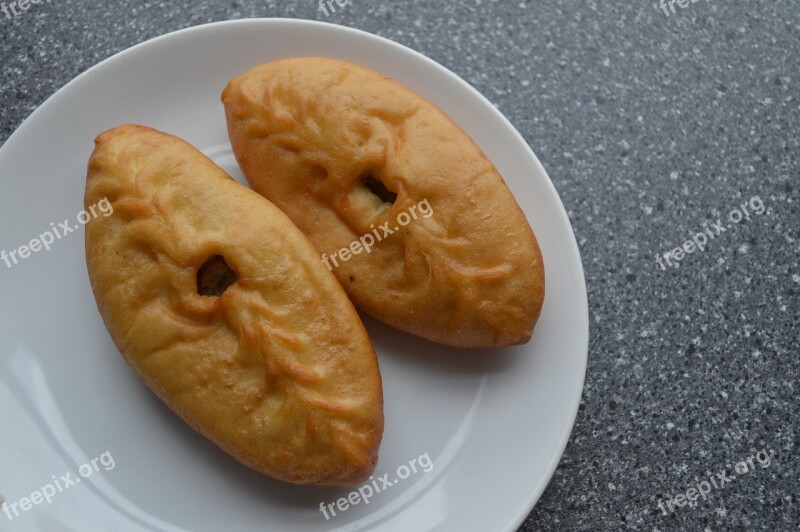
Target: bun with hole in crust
(347,153)
(223,308)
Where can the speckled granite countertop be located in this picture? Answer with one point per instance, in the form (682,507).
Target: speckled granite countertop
(651,124)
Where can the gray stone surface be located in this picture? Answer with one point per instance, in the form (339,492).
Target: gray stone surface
(649,126)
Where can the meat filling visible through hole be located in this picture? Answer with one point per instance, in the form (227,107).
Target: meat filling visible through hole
(214,277)
(379,189)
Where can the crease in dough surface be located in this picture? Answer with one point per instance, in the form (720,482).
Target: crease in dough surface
(277,369)
(307,130)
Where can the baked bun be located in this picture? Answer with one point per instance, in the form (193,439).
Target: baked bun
(347,153)
(223,308)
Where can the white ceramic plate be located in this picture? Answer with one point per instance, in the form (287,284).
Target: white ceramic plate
(494,424)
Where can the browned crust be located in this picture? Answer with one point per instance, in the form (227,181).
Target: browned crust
(278,371)
(306,130)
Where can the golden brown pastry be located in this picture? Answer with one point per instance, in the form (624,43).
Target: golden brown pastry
(348,153)
(224,310)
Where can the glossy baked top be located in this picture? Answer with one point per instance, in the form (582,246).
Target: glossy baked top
(223,308)
(347,153)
